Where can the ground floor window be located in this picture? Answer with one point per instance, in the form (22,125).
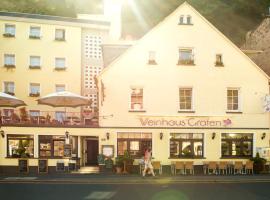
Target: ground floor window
(134,143)
(20,146)
(236,145)
(186,145)
(51,146)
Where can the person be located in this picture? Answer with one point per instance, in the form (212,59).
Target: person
(147,162)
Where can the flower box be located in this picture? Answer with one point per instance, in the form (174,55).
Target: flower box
(186,62)
(34,94)
(60,39)
(34,37)
(219,64)
(9,66)
(10,93)
(8,35)
(34,67)
(60,68)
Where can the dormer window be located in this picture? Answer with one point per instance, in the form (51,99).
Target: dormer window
(152,58)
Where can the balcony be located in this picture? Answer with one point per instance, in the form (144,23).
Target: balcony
(23,118)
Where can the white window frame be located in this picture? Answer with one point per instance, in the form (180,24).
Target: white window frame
(35,65)
(60,67)
(9,82)
(30,88)
(192,99)
(35,35)
(239,99)
(9,54)
(57,38)
(130,102)
(5,31)
(192,53)
(59,85)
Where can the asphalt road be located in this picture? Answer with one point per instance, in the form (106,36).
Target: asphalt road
(136,191)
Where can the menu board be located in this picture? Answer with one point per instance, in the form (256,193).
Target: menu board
(108,150)
(42,166)
(23,165)
(60,166)
(67,150)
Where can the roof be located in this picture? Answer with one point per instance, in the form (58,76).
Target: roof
(53,18)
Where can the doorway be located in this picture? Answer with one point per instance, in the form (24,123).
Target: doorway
(91,151)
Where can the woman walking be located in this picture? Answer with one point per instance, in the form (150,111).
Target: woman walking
(147,162)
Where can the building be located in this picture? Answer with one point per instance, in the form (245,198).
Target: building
(183,89)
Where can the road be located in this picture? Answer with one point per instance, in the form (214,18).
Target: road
(148,190)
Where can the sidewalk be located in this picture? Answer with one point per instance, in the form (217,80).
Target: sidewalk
(133,179)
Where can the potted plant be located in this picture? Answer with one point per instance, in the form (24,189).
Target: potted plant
(119,163)
(108,164)
(258,163)
(128,162)
(101,162)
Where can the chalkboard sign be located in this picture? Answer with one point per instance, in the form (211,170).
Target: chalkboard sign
(60,166)
(23,165)
(71,166)
(67,150)
(42,166)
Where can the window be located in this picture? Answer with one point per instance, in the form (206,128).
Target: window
(189,19)
(152,58)
(186,57)
(9,60)
(219,62)
(233,99)
(9,30)
(181,19)
(9,88)
(60,116)
(186,145)
(20,146)
(185,98)
(34,62)
(34,90)
(34,113)
(136,99)
(60,34)
(51,146)
(34,32)
(134,143)
(60,63)
(236,144)
(60,88)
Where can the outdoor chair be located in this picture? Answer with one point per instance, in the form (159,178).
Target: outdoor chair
(212,166)
(179,166)
(223,167)
(157,166)
(238,167)
(189,166)
(205,167)
(249,167)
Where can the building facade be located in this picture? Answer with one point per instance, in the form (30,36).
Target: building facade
(184,90)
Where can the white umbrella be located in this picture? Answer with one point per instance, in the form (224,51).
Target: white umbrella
(7,100)
(64,99)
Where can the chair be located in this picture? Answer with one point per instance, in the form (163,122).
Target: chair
(205,167)
(238,167)
(179,166)
(249,167)
(223,167)
(212,166)
(189,166)
(157,166)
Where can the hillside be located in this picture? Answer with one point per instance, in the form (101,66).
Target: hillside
(233,17)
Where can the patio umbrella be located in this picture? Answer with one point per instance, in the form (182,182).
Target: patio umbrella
(7,100)
(64,99)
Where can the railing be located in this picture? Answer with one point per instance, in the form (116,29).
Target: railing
(48,118)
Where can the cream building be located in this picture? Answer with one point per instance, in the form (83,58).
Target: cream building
(190,90)
(184,90)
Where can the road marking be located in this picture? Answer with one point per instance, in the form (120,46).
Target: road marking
(100,195)
(21,178)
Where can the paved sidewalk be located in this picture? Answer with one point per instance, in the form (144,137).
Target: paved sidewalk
(133,179)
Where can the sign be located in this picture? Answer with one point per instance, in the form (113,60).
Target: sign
(108,150)
(192,121)
(67,150)
(42,166)
(266,103)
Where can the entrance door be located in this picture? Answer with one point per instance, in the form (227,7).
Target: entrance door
(92,152)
